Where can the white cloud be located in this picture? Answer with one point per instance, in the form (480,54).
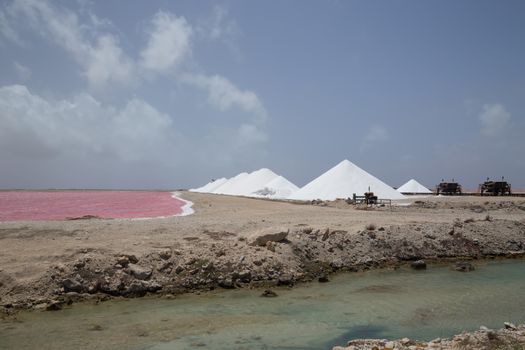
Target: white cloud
(219,27)
(376,134)
(35,127)
(98,53)
(494,119)
(250,133)
(168,44)
(6,28)
(224,95)
(23,72)
(107,63)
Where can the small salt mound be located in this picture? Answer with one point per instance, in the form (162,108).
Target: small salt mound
(280,187)
(211,186)
(250,183)
(214,185)
(343,181)
(229,185)
(412,186)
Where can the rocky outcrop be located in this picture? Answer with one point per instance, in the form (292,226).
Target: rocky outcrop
(267,258)
(272,234)
(509,337)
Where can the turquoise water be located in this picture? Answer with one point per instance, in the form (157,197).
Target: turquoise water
(437,302)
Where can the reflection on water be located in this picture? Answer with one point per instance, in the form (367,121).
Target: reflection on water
(386,304)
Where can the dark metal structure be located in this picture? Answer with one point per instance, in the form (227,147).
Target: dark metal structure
(495,188)
(448,188)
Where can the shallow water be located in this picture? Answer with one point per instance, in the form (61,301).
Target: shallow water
(437,302)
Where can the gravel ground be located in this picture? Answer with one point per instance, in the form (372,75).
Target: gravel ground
(234,242)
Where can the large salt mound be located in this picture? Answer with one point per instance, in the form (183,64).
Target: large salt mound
(229,185)
(250,183)
(342,181)
(210,186)
(280,187)
(412,186)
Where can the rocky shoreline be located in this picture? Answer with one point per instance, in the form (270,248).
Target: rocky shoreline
(273,256)
(509,337)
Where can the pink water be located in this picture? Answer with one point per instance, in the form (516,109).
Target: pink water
(60,205)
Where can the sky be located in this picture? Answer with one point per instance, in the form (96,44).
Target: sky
(165,94)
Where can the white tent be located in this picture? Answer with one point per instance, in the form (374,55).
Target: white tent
(342,181)
(414,187)
(280,187)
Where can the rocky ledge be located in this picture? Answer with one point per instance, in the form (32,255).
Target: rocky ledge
(265,258)
(510,337)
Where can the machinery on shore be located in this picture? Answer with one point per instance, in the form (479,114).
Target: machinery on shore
(448,188)
(495,188)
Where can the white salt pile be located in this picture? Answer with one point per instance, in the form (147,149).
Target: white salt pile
(260,183)
(414,187)
(230,185)
(278,188)
(210,186)
(248,184)
(342,181)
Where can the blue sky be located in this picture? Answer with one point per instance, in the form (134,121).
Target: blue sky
(164,94)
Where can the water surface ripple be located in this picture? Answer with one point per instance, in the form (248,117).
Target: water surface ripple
(437,302)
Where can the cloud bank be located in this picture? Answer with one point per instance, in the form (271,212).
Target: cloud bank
(494,119)
(119,133)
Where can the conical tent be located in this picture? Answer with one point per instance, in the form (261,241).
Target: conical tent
(414,187)
(342,181)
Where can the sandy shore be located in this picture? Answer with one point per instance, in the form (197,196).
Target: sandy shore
(44,265)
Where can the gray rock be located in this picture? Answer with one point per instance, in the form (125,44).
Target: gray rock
(245,276)
(227,283)
(323,278)
(53,305)
(268,293)
(285,280)
(165,254)
(271,234)
(510,326)
(132,258)
(123,261)
(139,272)
(270,246)
(72,285)
(79,264)
(418,265)
(136,289)
(464,266)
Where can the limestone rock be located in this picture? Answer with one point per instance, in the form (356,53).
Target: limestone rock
(139,272)
(464,266)
(165,254)
(72,285)
(419,265)
(268,293)
(271,234)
